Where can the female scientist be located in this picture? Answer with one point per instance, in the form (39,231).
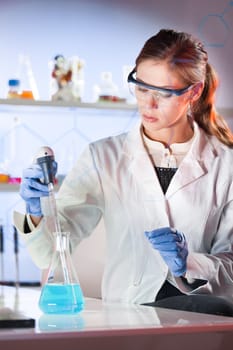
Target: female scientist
(164,189)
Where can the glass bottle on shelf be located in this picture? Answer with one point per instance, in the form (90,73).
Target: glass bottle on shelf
(61,292)
(28,83)
(108,90)
(13,88)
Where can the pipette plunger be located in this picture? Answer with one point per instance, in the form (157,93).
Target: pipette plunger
(45,158)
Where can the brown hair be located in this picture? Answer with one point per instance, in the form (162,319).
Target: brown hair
(187,56)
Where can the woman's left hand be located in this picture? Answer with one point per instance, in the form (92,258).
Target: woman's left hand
(172,246)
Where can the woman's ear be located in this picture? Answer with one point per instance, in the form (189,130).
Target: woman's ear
(196,91)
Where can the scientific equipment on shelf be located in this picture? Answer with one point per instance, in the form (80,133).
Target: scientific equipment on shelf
(28,86)
(1,253)
(16,254)
(108,90)
(67,78)
(13,89)
(23,85)
(78,82)
(4,176)
(61,292)
(14,158)
(14,270)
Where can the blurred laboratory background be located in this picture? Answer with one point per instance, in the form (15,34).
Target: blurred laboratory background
(97,41)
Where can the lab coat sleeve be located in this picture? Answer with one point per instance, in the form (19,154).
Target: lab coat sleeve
(38,242)
(217,266)
(80,200)
(79,205)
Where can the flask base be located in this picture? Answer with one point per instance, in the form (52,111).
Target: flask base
(61,299)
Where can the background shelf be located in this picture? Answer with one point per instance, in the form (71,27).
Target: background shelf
(72,104)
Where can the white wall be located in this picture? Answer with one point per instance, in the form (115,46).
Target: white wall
(108,34)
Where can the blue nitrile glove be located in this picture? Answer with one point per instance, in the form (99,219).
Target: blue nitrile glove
(172,246)
(32,188)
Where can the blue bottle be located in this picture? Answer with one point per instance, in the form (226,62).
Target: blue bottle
(62,293)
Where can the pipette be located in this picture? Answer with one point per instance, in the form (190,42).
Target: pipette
(45,158)
(1,253)
(16,251)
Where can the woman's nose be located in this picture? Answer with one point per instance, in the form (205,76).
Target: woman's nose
(152,100)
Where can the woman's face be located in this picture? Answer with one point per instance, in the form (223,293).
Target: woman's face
(164,118)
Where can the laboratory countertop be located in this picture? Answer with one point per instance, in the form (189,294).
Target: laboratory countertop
(109,326)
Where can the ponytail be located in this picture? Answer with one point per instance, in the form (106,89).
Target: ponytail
(205,114)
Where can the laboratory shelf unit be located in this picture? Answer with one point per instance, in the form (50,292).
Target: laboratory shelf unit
(5,187)
(69,104)
(67,127)
(27,125)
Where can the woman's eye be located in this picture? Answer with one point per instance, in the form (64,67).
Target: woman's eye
(165,94)
(142,90)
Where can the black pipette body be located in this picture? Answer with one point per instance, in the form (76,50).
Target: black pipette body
(1,239)
(45,159)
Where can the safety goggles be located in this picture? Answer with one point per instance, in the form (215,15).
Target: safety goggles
(141,89)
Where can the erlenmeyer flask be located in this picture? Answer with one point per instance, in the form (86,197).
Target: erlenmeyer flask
(61,293)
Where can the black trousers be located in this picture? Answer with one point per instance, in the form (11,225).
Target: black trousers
(170,297)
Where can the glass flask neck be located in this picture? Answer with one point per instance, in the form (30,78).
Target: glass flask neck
(62,241)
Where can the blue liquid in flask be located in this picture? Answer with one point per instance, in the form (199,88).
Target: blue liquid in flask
(61,299)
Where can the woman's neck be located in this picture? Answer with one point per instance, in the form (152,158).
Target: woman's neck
(170,135)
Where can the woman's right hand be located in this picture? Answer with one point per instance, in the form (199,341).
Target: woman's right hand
(32,189)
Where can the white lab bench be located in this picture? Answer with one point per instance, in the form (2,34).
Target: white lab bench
(112,326)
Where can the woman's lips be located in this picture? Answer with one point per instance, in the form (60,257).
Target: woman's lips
(149,119)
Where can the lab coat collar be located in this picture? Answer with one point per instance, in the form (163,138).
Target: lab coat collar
(195,164)
(147,187)
(141,168)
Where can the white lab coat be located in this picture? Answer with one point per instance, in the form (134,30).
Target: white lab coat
(114,178)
